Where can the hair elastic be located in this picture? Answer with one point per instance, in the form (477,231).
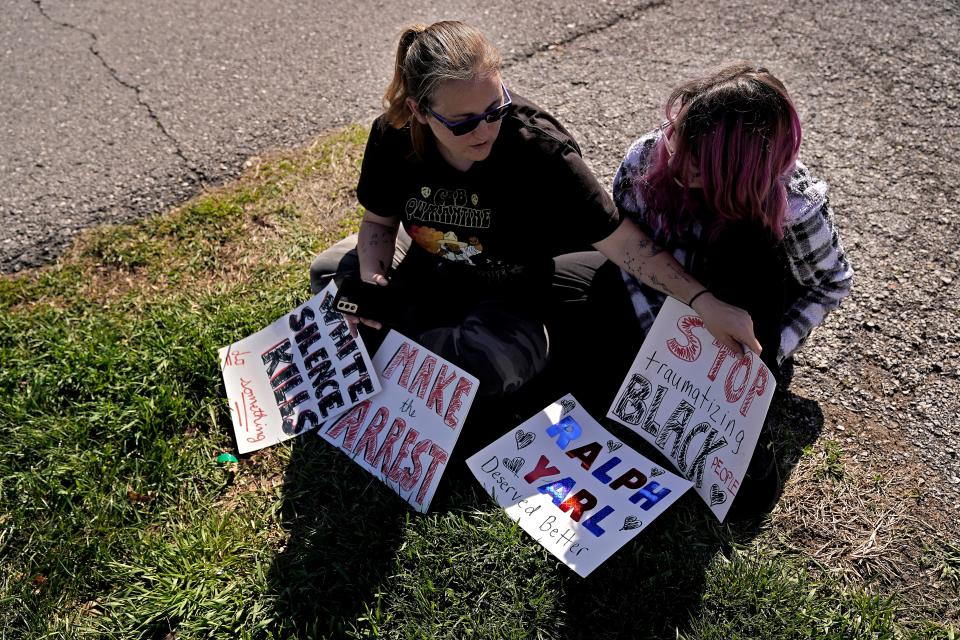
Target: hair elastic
(697,295)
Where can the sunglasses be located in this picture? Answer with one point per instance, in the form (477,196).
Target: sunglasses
(466,126)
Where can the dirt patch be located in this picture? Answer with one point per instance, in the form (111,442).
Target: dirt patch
(871,519)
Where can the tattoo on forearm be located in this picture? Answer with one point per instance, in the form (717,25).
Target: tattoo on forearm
(678,274)
(633,266)
(374,238)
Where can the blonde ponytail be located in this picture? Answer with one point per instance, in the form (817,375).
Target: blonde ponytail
(428,56)
(395,97)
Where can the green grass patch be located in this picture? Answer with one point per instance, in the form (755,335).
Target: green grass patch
(830,461)
(117,522)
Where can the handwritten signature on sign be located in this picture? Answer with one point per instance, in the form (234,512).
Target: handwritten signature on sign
(250,408)
(234,358)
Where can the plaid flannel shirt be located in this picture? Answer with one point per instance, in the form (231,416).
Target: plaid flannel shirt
(814,254)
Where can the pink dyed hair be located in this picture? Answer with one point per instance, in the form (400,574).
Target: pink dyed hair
(737,127)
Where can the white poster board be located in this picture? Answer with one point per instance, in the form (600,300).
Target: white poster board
(296,373)
(693,400)
(405,435)
(580,492)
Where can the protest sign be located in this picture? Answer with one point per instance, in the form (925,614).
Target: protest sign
(570,484)
(688,391)
(296,373)
(405,434)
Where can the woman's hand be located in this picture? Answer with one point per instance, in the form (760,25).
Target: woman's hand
(731,325)
(353,321)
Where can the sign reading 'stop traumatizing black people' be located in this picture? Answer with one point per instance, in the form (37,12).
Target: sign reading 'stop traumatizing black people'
(698,403)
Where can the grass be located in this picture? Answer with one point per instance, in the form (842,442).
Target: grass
(117,522)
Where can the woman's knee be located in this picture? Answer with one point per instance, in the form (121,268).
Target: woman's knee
(337,260)
(502,356)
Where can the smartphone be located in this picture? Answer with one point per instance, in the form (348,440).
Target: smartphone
(367,300)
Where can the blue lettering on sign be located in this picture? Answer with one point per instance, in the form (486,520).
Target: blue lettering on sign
(558,490)
(601,473)
(590,524)
(650,494)
(565,431)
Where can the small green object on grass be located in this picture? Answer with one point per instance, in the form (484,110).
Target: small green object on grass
(225,458)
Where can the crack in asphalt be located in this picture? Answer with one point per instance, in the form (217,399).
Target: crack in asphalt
(192,167)
(588,30)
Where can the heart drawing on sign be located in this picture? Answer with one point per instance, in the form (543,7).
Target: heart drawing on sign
(631,522)
(613,445)
(524,438)
(656,471)
(717,496)
(514,464)
(568,406)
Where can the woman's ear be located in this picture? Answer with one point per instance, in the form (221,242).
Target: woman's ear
(415,110)
(692,172)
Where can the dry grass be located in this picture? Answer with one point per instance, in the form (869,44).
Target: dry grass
(870,524)
(285,207)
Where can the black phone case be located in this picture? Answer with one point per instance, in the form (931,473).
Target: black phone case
(367,300)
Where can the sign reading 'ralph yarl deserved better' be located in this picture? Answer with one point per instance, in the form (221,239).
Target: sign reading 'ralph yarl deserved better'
(570,484)
(294,374)
(699,404)
(405,434)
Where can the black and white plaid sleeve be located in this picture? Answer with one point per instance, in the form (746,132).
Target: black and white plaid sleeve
(646,300)
(815,257)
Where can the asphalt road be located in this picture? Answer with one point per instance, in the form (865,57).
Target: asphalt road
(116,110)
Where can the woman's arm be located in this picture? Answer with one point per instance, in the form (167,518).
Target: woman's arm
(633,251)
(816,259)
(376,242)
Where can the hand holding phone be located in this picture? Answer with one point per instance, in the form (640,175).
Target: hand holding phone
(370,303)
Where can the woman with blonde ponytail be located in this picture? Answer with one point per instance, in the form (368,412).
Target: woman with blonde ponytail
(470,193)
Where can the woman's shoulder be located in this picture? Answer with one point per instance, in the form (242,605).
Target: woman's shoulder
(388,145)
(806,195)
(639,152)
(534,129)
(382,132)
(631,170)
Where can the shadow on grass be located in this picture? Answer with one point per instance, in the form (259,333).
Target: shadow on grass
(656,586)
(358,561)
(343,532)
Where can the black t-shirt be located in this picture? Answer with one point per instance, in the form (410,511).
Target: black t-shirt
(531,199)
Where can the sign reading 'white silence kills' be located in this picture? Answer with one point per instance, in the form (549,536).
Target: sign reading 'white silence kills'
(294,374)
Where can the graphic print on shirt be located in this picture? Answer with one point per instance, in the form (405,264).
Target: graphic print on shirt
(446,244)
(448,207)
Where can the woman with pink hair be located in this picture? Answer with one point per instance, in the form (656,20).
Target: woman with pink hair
(719,186)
